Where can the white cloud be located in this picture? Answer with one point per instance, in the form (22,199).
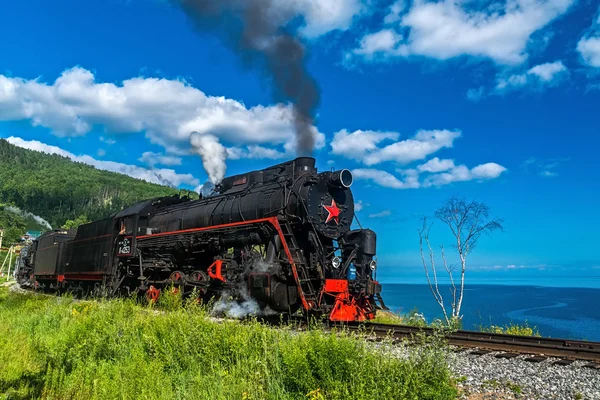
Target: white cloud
(321,17)
(357,144)
(257,152)
(436,165)
(511,266)
(588,46)
(384,213)
(151,159)
(419,147)
(548,174)
(358,205)
(544,167)
(362,145)
(487,171)
(382,178)
(166,110)
(461,173)
(539,76)
(476,94)
(411,178)
(108,141)
(512,81)
(394,12)
(101,152)
(384,42)
(160,176)
(497,30)
(436,173)
(548,71)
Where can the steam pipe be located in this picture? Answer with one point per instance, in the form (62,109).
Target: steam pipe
(273,249)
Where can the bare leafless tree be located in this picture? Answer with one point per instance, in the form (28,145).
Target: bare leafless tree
(468,221)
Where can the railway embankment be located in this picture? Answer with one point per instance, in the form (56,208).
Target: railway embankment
(498,365)
(492,376)
(59,348)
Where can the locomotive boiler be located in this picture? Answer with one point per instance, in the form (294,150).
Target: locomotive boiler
(281,236)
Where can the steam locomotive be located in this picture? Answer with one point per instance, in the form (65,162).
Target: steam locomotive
(280,236)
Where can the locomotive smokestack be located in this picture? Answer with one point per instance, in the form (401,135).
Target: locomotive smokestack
(254,29)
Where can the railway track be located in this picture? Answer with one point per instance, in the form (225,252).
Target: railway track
(507,346)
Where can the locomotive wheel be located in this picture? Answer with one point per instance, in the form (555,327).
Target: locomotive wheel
(177,278)
(199,276)
(152,294)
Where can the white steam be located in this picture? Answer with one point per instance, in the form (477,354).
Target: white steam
(213,155)
(240,304)
(26,214)
(262,266)
(228,306)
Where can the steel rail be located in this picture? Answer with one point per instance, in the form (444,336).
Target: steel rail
(548,347)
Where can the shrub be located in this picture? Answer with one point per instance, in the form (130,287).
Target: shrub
(512,329)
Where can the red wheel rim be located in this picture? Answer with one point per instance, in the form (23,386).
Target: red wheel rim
(176,277)
(199,276)
(153,294)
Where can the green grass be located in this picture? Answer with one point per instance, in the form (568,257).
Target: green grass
(413,318)
(513,329)
(55,348)
(515,388)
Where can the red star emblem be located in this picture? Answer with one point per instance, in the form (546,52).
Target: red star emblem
(334,212)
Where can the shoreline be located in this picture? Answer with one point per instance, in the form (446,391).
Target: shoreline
(512,283)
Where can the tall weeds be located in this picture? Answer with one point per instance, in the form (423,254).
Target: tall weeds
(55,348)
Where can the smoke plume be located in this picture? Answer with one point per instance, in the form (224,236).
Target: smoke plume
(26,214)
(213,155)
(255,30)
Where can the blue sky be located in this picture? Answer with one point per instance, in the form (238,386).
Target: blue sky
(495,100)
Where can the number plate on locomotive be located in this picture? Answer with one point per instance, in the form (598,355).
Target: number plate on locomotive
(124,247)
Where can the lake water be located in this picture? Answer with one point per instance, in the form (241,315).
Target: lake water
(563,312)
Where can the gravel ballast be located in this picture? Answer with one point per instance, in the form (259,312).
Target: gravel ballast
(527,380)
(488,377)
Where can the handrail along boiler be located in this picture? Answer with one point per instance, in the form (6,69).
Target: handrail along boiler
(281,236)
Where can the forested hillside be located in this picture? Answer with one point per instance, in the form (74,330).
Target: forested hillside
(13,224)
(58,189)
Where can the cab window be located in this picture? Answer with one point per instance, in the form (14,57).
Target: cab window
(126,226)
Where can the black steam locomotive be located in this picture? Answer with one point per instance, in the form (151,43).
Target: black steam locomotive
(280,236)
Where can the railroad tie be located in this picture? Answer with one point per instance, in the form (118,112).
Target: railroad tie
(506,355)
(592,365)
(563,362)
(536,359)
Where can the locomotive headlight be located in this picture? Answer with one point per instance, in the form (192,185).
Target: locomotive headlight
(336,262)
(373,265)
(342,178)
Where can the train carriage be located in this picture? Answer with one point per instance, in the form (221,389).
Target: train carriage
(48,257)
